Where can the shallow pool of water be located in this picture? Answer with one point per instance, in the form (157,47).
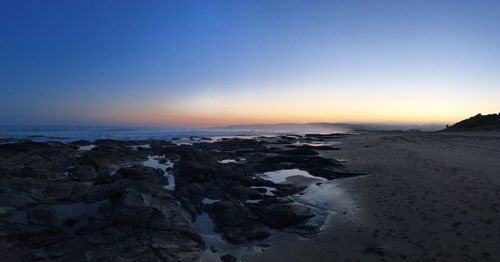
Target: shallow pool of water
(318,143)
(86,148)
(325,199)
(65,211)
(136,147)
(226,161)
(281,176)
(267,188)
(204,225)
(20,217)
(209,201)
(154,162)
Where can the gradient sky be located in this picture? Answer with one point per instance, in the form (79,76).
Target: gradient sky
(203,63)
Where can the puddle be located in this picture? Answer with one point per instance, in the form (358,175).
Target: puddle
(204,224)
(136,147)
(208,201)
(171,182)
(226,161)
(86,148)
(191,140)
(62,211)
(317,143)
(154,162)
(326,199)
(80,210)
(216,245)
(222,138)
(67,172)
(65,211)
(323,197)
(267,188)
(281,176)
(20,217)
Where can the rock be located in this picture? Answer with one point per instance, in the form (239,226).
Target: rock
(243,192)
(155,212)
(196,168)
(129,216)
(300,151)
(59,191)
(327,136)
(236,222)
(35,160)
(193,191)
(307,229)
(284,215)
(80,143)
(82,173)
(374,250)
(228,258)
(139,172)
(322,147)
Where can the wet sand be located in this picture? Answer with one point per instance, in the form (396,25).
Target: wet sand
(429,197)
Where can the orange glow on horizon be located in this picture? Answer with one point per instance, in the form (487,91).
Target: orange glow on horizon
(196,120)
(300,105)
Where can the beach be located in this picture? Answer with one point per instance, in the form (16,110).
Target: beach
(364,196)
(249,131)
(428,197)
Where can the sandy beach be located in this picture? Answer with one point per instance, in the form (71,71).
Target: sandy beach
(428,197)
(370,196)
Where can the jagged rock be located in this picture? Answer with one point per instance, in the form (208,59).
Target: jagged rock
(139,172)
(192,191)
(300,151)
(59,190)
(228,258)
(236,222)
(124,212)
(284,215)
(243,192)
(83,173)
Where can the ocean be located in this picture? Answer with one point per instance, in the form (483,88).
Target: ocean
(69,134)
(92,133)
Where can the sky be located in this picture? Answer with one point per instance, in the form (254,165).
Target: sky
(210,63)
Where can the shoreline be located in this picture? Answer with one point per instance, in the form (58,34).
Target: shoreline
(398,196)
(428,196)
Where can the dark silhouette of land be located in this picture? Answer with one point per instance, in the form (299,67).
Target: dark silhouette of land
(477,123)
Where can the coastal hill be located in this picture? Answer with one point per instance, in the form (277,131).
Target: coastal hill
(477,123)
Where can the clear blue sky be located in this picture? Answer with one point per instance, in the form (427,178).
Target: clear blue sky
(229,62)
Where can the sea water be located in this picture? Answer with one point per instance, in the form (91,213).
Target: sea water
(69,134)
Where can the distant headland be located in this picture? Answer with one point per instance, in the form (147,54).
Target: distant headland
(478,122)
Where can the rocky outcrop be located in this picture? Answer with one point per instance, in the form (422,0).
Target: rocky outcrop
(58,202)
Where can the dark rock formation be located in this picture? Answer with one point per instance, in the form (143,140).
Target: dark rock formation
(477,123)
(228,258)
(64,204)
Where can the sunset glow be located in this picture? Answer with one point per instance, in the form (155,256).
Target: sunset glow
(208,64)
